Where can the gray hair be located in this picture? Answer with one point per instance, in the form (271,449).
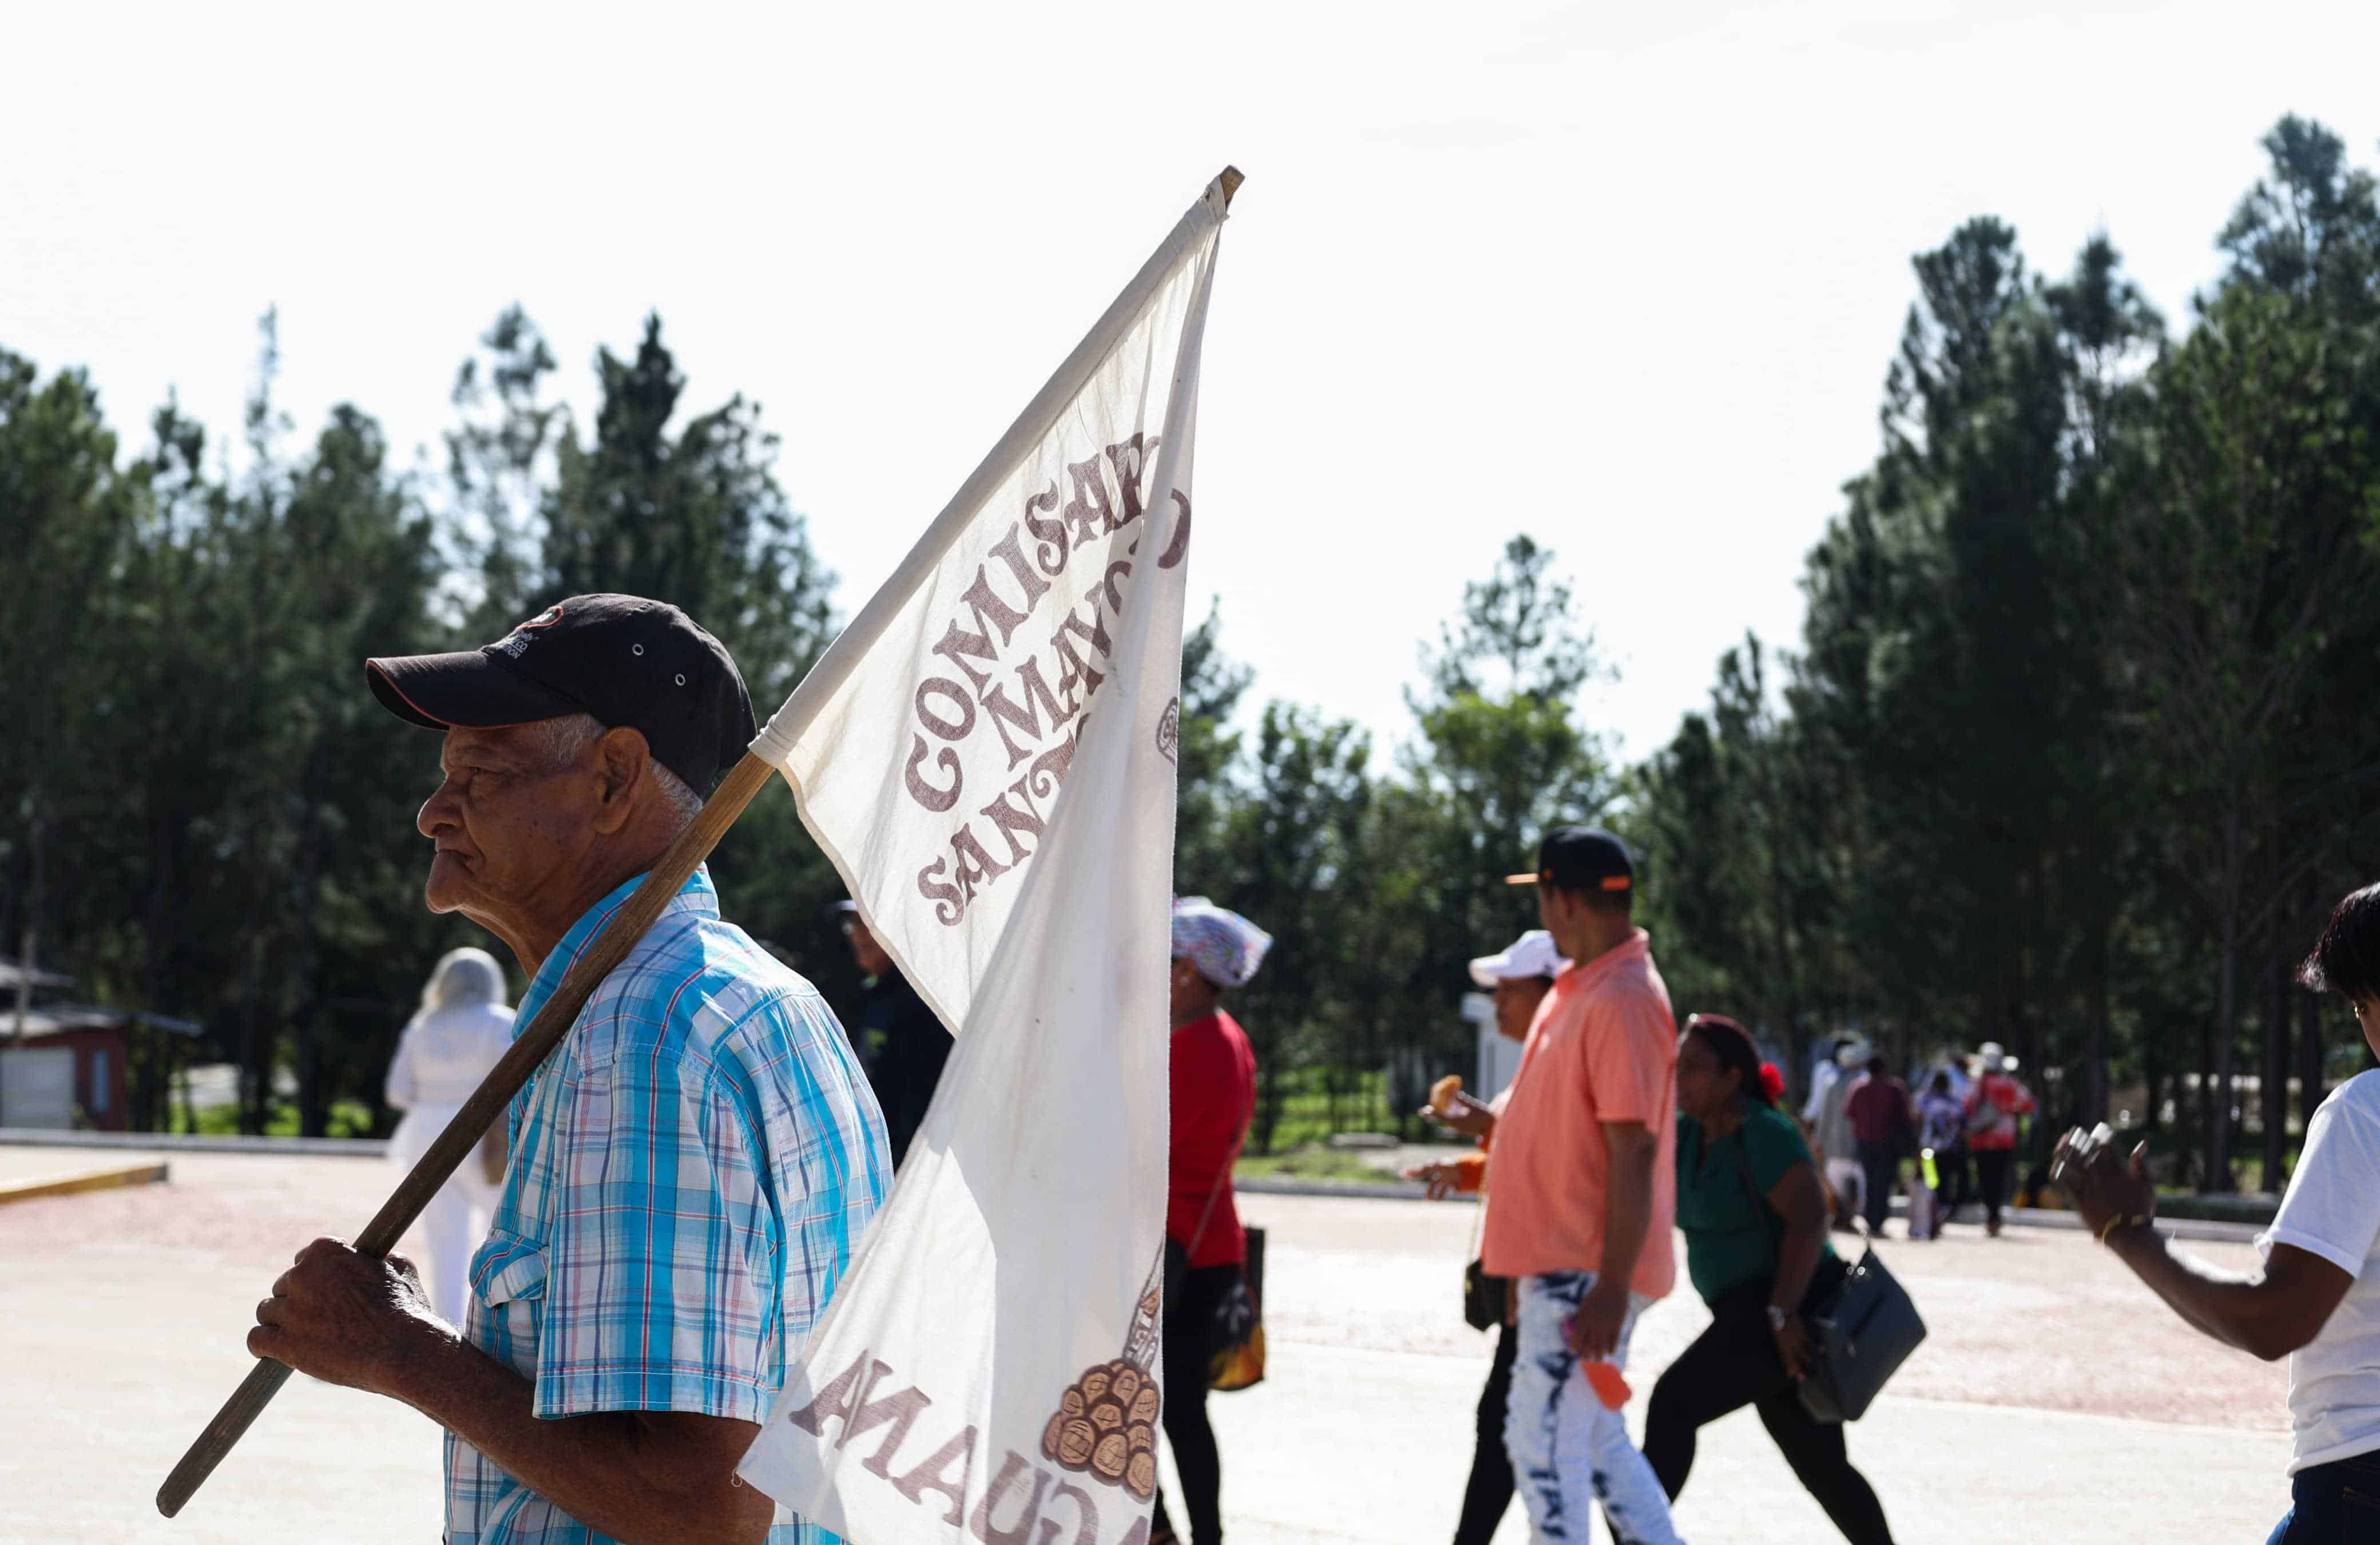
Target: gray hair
(566,740)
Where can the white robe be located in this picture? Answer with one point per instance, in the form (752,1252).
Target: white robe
(440,1060)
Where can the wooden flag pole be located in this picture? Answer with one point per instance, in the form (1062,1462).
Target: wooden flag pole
(488,1103)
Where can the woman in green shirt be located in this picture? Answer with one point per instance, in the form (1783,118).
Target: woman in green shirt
(1755,1224)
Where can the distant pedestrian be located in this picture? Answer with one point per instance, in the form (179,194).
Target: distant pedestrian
(1755,1225)
(1953,1165)
(1214,1092)
(1993,1106)
(1831,1135)
(1823,1074)
(461,1030)
(902,1045)
(1583,1181)
(1941,1121)
(2316,1298)
(1882,1124)
(1520,978)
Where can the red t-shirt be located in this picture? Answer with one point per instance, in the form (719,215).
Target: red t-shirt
(2012,1099)
(1879,1109)
(1214,1093)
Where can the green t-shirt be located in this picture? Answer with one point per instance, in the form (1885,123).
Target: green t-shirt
(1732,1231)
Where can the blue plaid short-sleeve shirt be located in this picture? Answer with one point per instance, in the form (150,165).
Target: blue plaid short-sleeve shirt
(690,1174)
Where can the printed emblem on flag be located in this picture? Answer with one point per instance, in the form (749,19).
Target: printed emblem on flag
(1105,1424)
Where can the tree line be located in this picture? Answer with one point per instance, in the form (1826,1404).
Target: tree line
(207,815)
(2072,754)
(2069,754)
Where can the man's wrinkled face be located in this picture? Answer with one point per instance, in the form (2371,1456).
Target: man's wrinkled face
(507,823)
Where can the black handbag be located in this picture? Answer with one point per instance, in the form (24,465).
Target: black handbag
(1866,1327)
(1864,1320)
(1483,1297)
(1235,1356)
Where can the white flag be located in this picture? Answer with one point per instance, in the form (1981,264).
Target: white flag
(988,755)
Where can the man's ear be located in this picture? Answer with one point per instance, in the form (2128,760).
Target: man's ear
(622,762)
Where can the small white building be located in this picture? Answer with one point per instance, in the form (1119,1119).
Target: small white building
(1498,1059)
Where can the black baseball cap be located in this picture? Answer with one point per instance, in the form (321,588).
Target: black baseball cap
(629,661)
(1581,859)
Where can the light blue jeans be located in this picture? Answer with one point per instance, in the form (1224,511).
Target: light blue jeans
(1568,1450)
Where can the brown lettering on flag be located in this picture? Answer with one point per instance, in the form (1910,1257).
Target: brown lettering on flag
(1028,1512)
(934,1475)
(1037,699)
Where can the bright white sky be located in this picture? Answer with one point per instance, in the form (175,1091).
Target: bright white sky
(1624,277)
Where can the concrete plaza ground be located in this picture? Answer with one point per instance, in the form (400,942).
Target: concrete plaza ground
(2054,1399)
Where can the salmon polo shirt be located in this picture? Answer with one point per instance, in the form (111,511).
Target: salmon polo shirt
(1603,1047)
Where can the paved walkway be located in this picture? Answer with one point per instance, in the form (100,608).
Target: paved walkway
(2055,1400)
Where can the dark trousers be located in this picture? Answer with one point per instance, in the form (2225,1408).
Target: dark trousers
(2333,1503)
(1734,1364)
(1187,1348)
(1490,1491)
(1958,1177)
(1992,1167)
(1880,1162)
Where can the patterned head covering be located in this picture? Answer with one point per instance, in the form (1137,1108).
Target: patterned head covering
(1226,947)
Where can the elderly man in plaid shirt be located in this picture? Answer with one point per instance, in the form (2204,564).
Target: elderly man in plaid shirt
(690,1172)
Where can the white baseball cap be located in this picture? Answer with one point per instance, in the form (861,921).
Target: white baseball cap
(1532,955)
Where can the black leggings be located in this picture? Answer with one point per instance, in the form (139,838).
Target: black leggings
(1490,1491)
(1188,1325)
(1733,1364)
(1993,1164)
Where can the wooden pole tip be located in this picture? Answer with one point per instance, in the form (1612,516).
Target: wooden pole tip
(1231,180)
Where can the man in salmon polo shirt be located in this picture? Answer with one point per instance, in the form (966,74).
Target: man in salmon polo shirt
(1585,1195)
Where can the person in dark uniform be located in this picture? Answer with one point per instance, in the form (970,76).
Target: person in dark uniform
(900,1044)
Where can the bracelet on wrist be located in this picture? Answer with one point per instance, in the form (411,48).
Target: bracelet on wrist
(2107,1229)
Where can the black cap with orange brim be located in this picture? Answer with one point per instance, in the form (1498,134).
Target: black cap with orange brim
(1581,859)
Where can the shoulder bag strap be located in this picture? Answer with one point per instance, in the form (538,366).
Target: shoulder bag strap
(1479,1216)
(1743,1162)
(1215,1193)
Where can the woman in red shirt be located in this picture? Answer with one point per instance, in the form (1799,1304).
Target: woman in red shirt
(1214,1083)
(1993,1102)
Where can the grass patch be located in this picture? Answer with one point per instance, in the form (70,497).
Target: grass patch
(1306,1108)
(1312,1161)
(348,1118)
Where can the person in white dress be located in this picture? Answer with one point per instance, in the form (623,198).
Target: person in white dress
(461,1030)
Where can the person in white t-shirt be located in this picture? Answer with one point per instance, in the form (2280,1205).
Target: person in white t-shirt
(2318,1299)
